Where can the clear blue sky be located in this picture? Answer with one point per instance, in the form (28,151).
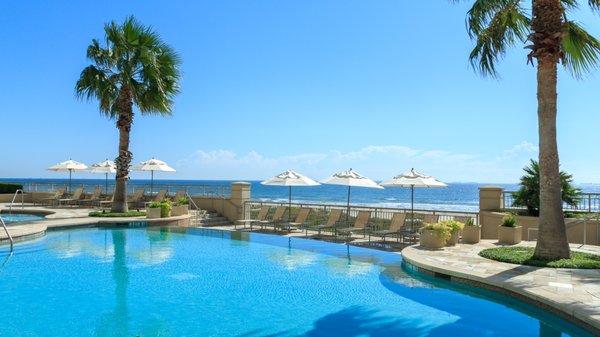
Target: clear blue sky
(319,86)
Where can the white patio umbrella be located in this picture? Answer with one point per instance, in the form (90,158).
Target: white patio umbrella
(68,165)
(350,178)
(413,179)
(152,165)
(290,178)
(106,167)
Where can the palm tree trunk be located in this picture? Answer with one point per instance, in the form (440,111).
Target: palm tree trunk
(547,28)
(123,161)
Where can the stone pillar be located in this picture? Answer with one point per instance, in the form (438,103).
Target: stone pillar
(240,194)
(490,198)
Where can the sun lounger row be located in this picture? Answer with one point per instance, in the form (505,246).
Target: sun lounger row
(95,199)
(334,222)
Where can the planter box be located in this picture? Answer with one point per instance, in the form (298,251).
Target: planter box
(180,210)
(471,234)
(453,239)
(153,213)
(509,235)
(430,239)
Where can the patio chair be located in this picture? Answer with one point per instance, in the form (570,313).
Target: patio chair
(180,194)
(262,216)
(106,203)
(53,199)
(160,196)
(277,217)
(300,220)
(413,234)
(73,199)
(94,198)
(331,224)
(360,225)
(396,227)
(136,198)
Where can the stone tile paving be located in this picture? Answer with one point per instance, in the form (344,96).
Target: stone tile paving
(574,293)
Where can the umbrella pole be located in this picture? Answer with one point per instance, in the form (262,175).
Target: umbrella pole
(70,171)
(290,206)
(106,184)
(348,209)
(412,205)
(151,181)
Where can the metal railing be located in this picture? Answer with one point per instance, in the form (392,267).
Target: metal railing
(585,221)
(10,238)
(14,198)
(585,202)
(195,190)
(380,216)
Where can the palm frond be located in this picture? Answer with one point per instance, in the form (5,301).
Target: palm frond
(594,4)
(580,49)
(495,25)
(94,83)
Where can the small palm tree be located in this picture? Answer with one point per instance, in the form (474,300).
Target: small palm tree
(528,195)
(135,67)
(552,38)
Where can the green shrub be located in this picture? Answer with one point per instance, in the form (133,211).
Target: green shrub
(165,208)
(11,188)
(154,204)
(105,214)
(453,225)
(509,220)
(441,229)
(182,201)
(470,223)
(524,255)
(528,195)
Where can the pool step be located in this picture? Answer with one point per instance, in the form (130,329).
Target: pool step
(209,219)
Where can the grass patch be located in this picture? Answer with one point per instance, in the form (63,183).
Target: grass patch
(104,214)
(524,255)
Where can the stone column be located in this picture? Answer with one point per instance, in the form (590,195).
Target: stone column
(490,198)
(490,201)
(240,194)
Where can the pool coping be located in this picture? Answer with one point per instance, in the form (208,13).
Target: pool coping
(581,314)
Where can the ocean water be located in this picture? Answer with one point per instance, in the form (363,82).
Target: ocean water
(455,197)
(198,282)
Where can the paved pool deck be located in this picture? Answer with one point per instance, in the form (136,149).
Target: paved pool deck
(571,293)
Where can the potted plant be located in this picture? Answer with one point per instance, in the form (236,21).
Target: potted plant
(434,236)
(181,207)
(455,227)
(509,233)
(471,233)
(153,210)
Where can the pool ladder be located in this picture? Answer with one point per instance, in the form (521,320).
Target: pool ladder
(14,198)
(7,233)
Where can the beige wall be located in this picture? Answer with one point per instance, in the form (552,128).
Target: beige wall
(490,218)
(232,208)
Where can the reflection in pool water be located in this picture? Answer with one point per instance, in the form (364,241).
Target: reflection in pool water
(157,281)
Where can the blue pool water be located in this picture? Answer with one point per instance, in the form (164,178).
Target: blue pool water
(197,282)
(8,218)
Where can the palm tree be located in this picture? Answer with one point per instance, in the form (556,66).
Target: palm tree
(134,67)
(552,38)
(528,195)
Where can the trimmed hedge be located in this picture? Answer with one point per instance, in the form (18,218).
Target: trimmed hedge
(130,214)
(10,187)
(524,255)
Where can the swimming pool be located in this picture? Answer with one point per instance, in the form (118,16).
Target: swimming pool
(17,217)
(197,282)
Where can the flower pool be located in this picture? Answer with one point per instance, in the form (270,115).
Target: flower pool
(20,217)
(198,282)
